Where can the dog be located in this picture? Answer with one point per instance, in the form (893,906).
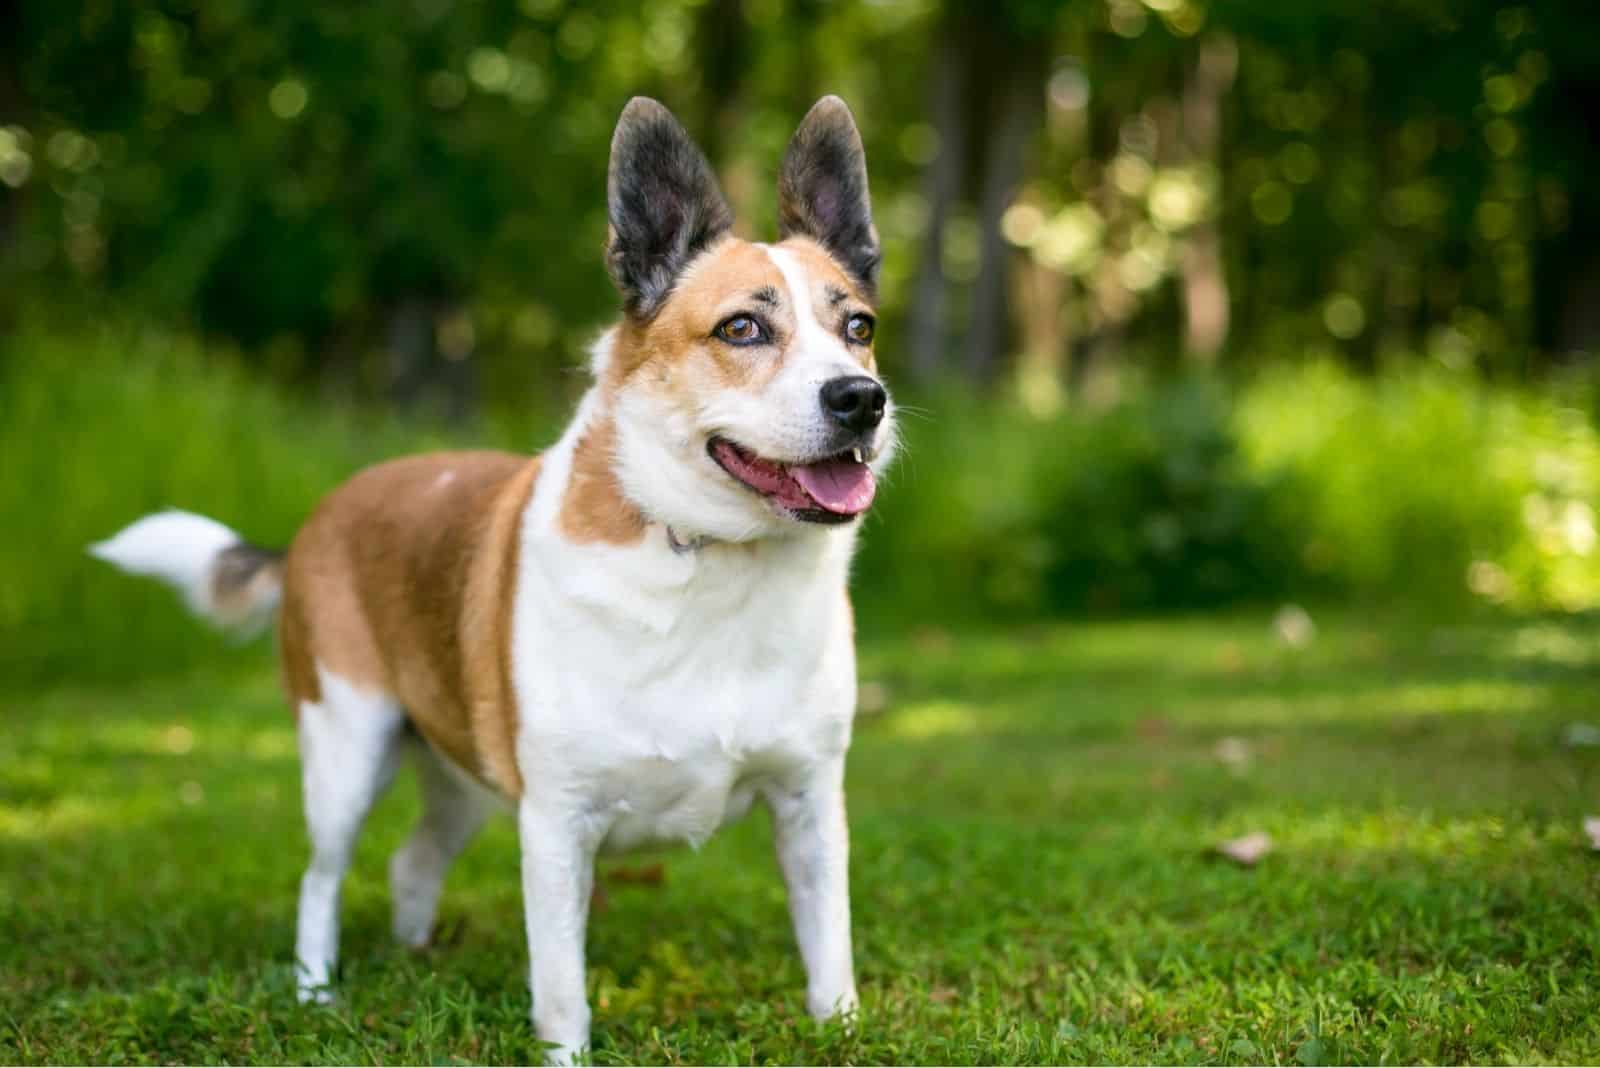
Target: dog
(632,638)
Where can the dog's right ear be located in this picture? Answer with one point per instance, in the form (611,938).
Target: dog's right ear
(663,202)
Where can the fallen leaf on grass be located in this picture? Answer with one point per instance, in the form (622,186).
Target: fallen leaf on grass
(1152,727)
(1591,827)
(1294,626)
(1248,850)
(1234,752)
(941,995)
(648,875)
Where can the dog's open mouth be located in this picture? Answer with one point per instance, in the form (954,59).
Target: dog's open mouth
(832,490)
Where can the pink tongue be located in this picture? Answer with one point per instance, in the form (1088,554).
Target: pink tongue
(842,486)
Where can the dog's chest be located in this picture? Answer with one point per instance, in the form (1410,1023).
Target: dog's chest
(669,710)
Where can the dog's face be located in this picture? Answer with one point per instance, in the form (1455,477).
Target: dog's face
(742,381)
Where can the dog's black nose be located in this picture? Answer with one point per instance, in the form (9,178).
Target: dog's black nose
(854,401)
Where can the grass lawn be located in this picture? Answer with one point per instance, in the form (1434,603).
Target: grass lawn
(1031,810)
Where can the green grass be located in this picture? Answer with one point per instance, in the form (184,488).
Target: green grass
(1031,816)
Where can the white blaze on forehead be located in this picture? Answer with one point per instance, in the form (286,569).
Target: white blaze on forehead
(812,336)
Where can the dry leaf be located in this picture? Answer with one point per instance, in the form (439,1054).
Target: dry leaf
(1294,626)
(941,995)
(1152,727)
(1591,827)
(1234,752)
(1247,850)
(649,875)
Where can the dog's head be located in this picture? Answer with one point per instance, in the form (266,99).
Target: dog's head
(742,381)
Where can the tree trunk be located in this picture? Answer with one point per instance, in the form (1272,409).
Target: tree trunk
(1045,359)
(723,42)
(1205,283)
(942,188)
(431,349)
(1020,106)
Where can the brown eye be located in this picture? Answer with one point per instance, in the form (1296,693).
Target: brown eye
(740,330)
(859,329)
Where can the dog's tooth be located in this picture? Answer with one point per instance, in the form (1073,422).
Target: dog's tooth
(855,454)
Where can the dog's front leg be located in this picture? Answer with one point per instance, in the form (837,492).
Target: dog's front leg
(559,841)
(814,851)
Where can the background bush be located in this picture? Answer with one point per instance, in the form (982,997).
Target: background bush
(1420,488)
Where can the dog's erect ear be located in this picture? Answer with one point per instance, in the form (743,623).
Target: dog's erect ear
(822,190)
(663,202)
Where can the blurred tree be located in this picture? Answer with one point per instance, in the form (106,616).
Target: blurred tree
(407,200)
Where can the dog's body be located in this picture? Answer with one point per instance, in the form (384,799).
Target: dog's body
(631,638)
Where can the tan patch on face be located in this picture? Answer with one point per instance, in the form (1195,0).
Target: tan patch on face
(401,582)
(594,508)
(677,351)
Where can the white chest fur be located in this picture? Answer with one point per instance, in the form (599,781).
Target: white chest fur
(660,692)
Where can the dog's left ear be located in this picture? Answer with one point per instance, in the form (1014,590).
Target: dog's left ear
(663,204)
(822,190)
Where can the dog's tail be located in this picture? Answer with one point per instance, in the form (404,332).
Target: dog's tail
(222,577)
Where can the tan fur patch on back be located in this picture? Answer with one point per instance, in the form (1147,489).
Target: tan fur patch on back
(594,507)
(401,583)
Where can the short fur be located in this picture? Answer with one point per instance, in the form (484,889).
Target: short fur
(664,205)
(822,191)
(619,638)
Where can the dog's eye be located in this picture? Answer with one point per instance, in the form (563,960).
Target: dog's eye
(859,329)
(741,330)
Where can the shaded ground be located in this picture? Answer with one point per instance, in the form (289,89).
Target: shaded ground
(1031,812)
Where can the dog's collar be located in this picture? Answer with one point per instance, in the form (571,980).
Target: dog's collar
(680,547)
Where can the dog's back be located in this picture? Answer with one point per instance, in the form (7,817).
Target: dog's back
(401,582)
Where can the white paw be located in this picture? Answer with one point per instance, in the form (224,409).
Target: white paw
(834,1005)
(314,993)
(415,900)
(413,929)
(563,1054)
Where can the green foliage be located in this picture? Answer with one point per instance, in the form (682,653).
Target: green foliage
(1420,486)
(1031,820)
(105,428)
(289,175)
(1146,505)
(1427,484)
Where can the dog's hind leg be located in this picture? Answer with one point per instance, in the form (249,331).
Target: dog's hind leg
(452,811)
(349,749)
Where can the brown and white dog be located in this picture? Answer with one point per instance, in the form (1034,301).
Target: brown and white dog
(632,637)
